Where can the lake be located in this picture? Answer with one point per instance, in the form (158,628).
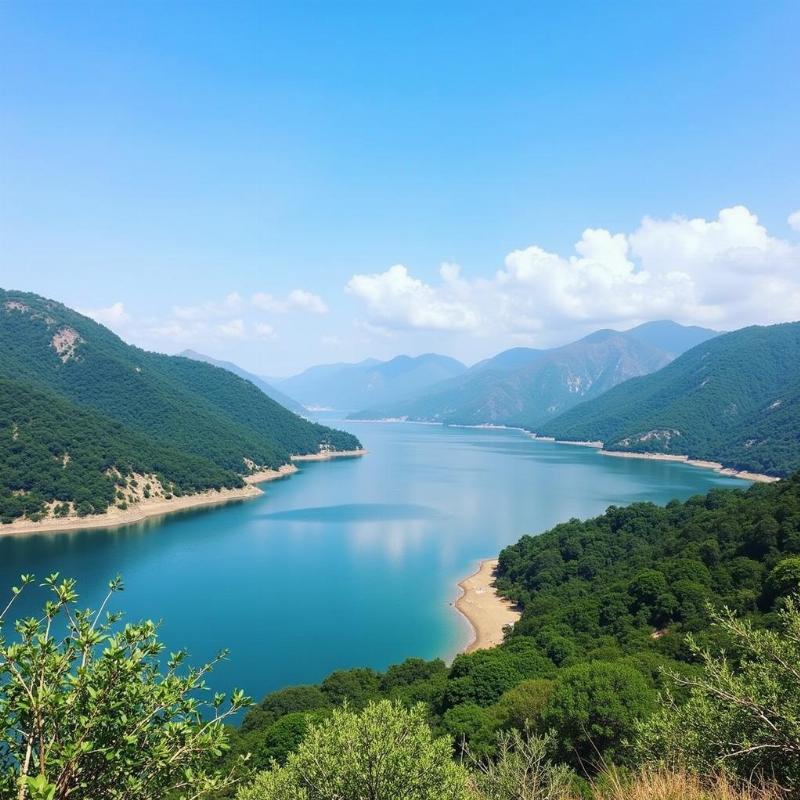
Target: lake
(351,562)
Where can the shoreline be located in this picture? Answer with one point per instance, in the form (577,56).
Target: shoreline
(484,610)
(716,466)
(331,454)
(755,477)
(156,507)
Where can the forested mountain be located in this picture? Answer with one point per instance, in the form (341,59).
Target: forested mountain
(269,390)
(54,452)
(191,415)
(350,386)
(734,399)
(607,606)
(526,387)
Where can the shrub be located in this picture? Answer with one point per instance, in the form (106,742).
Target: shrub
(384,752)
(90,713)
(745,718)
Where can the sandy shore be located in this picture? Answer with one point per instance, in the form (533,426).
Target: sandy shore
(152,507)
(486,612)
(694,462)
(328,455)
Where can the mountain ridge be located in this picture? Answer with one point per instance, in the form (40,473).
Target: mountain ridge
(348,386)
(733,399)
(525,387)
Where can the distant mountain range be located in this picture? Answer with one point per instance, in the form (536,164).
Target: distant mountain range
(733,399)
(269,390)
(345,387)
(82,413)
(528,387)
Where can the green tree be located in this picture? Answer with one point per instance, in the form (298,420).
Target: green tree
(385,752)
(594,707)
(523,770)
(523,705)
(87,713)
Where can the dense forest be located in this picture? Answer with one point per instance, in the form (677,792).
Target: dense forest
(183,414)
(733,399)
(611,607)
(55,452)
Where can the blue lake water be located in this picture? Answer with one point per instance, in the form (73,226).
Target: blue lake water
(349,562)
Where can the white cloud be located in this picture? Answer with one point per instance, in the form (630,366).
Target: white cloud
(264,330)
(794,220)
(397,299)
(296,300)
(727,272)
(115,314)
(233,329)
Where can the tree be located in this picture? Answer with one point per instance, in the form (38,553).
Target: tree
(745,717)
(89,714)
(522,706)
(385,752)
(594,707)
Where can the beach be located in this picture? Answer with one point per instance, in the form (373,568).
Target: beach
(486,612)
(145,508)
(327,455)
(694,462)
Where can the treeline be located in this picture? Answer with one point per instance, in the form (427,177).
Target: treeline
(733,399)
(183,413)
(610,607)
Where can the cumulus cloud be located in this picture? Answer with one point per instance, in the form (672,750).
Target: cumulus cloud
(112,316)
(725,272)
(296,300)
(396,298)
(794,220)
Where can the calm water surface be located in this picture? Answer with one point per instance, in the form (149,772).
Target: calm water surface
(351,562)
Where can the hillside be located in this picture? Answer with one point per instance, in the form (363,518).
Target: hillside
(527,387)
(269,390)
(53,452)
(183,414)
(352,386)
(734,399)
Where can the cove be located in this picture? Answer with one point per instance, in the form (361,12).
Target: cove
(350,562)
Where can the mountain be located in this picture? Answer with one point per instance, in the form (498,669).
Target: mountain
(269,390)
(733,399)
(350,386)
(181,417)
(671,337)
(527,387)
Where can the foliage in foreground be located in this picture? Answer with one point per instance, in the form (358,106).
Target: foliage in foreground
(386,752)
(746,719)
(86,713)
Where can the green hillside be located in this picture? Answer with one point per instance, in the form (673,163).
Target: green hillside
(734,399)
(268,389)
(181,413)
(54,452)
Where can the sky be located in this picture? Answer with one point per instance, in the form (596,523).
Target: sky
(284,184)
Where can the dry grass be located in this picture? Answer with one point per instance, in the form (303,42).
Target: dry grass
(670,785)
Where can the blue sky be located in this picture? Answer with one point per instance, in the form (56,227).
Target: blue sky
(282,183)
